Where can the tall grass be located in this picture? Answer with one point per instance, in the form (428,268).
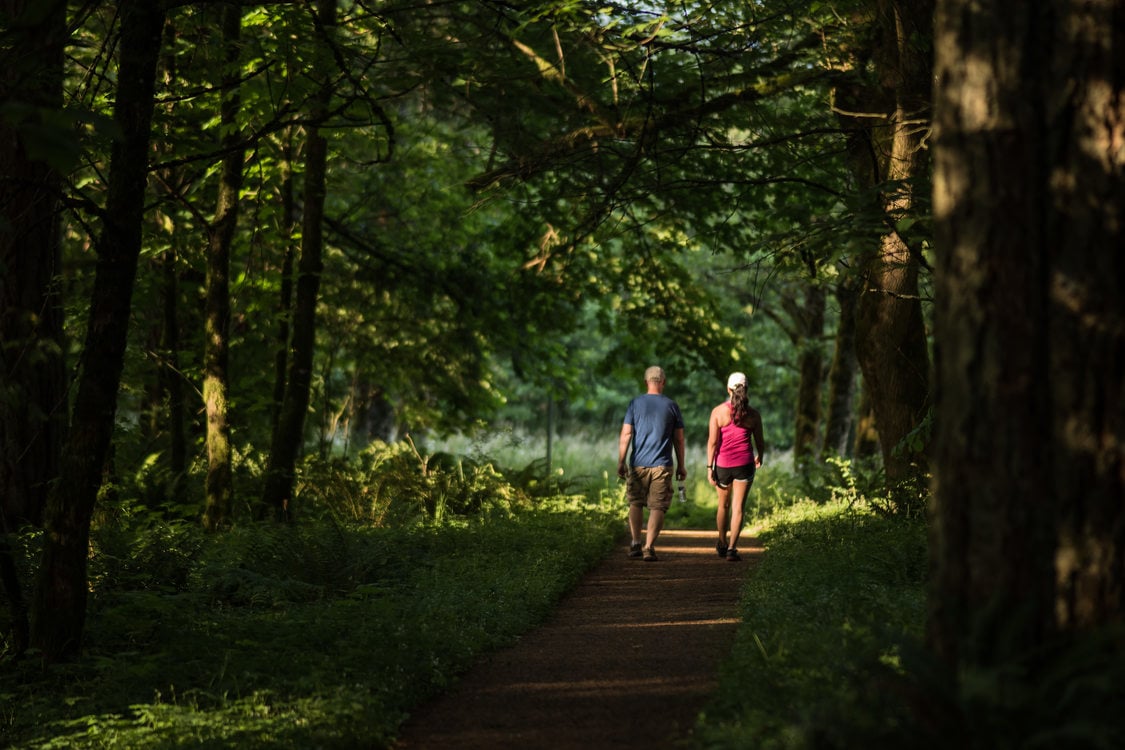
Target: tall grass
(586,464)
(838,593)
(314,635)
(830,654)
(403,567)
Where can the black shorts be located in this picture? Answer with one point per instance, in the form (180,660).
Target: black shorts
(725,475)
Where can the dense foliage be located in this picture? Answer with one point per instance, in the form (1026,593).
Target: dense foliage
(457,287)
(523,206)
(187,629)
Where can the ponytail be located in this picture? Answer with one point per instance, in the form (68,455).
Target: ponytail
(739,404)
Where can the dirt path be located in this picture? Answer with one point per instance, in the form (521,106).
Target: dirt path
(627,660)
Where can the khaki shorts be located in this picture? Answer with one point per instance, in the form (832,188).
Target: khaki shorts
(650,486)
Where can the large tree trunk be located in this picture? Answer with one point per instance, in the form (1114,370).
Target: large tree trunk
(220,479)
(1086,310)
(289,434)
(893,355)
(890,330)
(32,367)
(32,370)
(59,607)
(1029,200)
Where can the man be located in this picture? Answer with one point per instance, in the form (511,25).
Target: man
(655,427)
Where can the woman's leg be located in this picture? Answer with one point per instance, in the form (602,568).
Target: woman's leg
(739,489)
(721,513)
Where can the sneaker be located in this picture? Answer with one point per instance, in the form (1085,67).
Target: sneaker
(732,555)
(721,549)
(635,550)
(650,554)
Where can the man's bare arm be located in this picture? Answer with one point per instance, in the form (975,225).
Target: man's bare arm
(623,448)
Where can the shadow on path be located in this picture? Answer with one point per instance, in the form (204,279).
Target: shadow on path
(627,660)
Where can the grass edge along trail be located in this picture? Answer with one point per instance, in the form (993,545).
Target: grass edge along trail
(837,596)
(830,654)
(314,636)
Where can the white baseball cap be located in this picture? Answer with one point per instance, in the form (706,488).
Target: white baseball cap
(736,378)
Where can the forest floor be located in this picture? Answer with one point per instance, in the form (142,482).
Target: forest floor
(627,660)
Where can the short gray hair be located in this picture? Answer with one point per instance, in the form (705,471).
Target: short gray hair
(654,373)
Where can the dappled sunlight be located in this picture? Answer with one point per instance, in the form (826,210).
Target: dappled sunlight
(673,624)
(664,686)
(697,543)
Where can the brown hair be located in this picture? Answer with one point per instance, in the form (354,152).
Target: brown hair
(739,404)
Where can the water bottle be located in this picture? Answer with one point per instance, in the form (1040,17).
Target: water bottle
(680,495)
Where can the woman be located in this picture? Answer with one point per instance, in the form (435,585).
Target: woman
(732,460)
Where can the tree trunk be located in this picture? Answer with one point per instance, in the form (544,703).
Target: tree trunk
(891,341)
(288,436)
(216,386)
(32,365)
(59,607)
(1086,311)
(1029,202)
(866,445)
(893,355)
(810,366)
(842,376)
(171,379)
(285,298)
(329,415)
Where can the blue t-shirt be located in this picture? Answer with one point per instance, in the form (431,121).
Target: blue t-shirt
(654,417)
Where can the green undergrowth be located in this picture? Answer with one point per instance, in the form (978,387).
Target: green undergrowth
(830,654)
(826,613)
(314,635)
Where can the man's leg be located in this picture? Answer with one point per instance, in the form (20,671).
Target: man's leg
(655,524)
(636,523)
(636,490)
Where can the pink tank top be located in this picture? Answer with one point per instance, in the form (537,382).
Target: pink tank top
(735,448)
